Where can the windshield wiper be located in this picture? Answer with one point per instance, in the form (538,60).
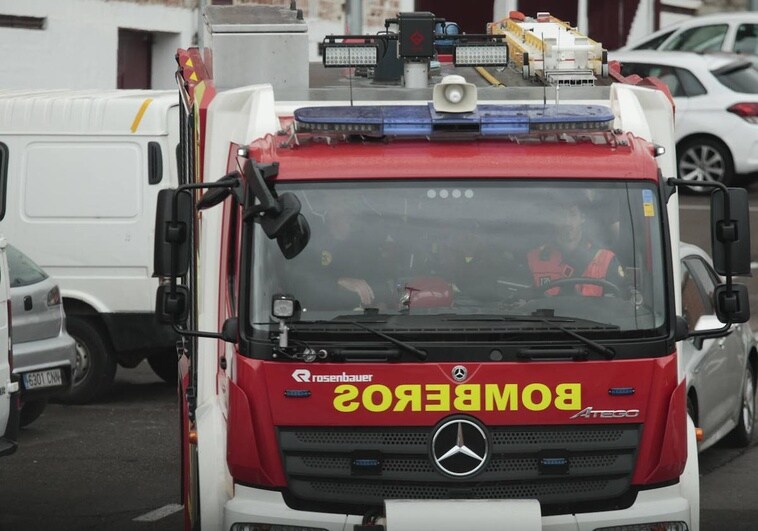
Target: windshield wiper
(552,322)
(607,352)
(420,354)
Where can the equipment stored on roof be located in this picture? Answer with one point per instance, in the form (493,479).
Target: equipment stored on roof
(435,304)
(549,49)
(416,40)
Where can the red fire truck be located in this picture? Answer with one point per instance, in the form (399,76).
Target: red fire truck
(425,290)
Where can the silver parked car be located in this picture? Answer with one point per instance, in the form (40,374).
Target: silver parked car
(721,372)
(8,384)
(44,355)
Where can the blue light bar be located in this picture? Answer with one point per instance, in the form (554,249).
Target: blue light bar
(424,121)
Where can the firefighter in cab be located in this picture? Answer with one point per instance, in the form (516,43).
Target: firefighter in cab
(350,262)
(572,253)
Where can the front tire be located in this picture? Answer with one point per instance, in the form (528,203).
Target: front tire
(31,411)
(165,365)
(95,362)
(742,434)
(704,159)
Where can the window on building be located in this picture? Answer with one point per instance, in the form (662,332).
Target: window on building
(13,21)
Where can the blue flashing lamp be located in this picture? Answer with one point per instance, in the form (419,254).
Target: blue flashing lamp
(423,121)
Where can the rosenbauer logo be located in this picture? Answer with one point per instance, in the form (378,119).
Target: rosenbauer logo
(306,376)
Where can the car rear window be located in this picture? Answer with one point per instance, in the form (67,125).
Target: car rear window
(23,271)
(741,77)
(746,40)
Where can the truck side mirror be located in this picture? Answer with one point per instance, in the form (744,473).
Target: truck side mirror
(732,305)
(172,235)
(730,238)
(294,237)
(288,210)
(230,330)
(172,308)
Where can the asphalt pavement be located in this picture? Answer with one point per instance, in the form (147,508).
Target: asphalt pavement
(113,465)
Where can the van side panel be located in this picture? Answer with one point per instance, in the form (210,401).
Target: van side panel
(85,206)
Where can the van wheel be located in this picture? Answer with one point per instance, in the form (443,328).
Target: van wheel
(165,365)
(95,363)
(742,435)
(31,411)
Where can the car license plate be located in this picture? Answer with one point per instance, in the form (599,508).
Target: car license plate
(48,378)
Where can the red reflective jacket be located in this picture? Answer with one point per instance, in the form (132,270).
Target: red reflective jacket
(547,265)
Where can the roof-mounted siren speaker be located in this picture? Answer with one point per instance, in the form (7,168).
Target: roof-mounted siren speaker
(453,94)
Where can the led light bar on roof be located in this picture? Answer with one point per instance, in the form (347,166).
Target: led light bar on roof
(495,54)
(423,121)
(352,54)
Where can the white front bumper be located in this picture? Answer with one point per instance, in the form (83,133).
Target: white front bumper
(664,504)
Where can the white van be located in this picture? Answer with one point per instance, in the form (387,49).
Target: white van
(80,172)
(9,412)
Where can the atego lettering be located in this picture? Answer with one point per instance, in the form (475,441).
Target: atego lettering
(589,413)
(379,398)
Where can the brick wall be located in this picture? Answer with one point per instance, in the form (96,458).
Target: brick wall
(375,11)
(378,10)
(190,4)
(712,6)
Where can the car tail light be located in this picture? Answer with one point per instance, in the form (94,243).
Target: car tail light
(747,111)
(54,297)
(10,338)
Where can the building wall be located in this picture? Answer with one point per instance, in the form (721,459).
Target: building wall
(712,6)
(77,48)
(325,17)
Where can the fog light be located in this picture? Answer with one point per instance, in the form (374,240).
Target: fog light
(653,526)
(480,54)
(282,306)
(350,55)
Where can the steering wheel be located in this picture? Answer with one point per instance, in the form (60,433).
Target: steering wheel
(575,281)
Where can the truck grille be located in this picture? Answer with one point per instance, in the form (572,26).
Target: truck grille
(320,465)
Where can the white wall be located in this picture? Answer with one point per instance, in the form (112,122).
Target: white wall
(78,47)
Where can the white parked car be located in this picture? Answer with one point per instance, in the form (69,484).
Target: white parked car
(726,32)
(716,120)
(721,372)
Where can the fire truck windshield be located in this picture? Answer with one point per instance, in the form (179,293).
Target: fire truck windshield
(584,250)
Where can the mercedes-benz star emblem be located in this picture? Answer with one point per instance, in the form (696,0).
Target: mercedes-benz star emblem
(459,373)
(460,447)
